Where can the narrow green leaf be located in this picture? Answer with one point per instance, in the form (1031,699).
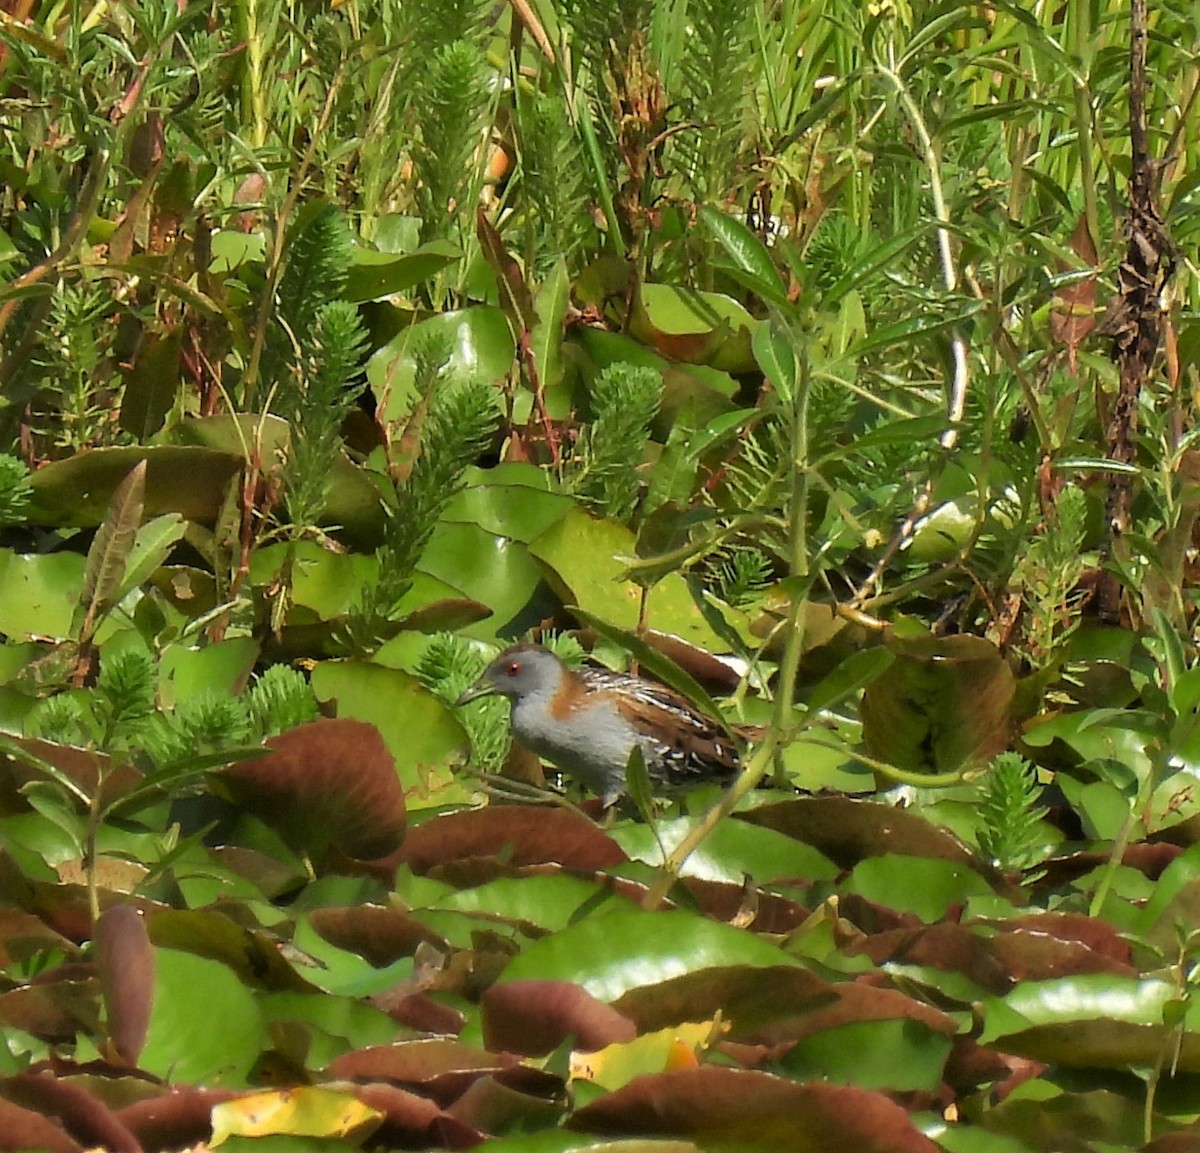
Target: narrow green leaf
(152,546)
(854,673)
(906,330)
(748,253)
(1173,655)
(1095,464)
(914,430)
(879,258)
(514,292)
(551,310)
(776,356)
(638,786)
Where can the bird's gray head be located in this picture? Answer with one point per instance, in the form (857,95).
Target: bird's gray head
(518,672)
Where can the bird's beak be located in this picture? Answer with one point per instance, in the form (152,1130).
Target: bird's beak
(481,688)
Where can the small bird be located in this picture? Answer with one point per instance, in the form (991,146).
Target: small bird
(587,722)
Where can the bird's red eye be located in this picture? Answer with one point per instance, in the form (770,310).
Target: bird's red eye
(512,668)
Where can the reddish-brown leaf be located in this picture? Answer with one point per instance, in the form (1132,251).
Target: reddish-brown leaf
(327,785)
(1073,314)
(175,1119)
(22,1129)
(126,962)
(379,935)
(54,1010)
(83,1115)
(415,1062)
(758,911)
(522,834)
(755,1109)
(534,1017)
(22,935)
(749,997)
(847,831)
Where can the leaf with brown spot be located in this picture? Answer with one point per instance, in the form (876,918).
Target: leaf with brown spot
(522,834)
(756,1110)
(328,785)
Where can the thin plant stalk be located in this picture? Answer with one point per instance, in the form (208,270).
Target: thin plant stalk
(780,729)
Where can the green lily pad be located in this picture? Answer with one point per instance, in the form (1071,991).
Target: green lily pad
(38,594)
(204,1023)
(596,952)
(496,571)
(187,479)
(353,503)
(585,558)
(695,327)
(479,341)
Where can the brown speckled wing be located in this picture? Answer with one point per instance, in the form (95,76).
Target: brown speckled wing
(688,746)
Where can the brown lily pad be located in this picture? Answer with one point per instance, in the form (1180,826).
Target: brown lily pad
(523,835)
(328,787)
(755,1110)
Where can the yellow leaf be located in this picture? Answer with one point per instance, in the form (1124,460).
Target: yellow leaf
(676,1047)
(302,1112)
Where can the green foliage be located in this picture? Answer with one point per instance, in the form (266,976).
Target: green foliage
(450,103)
(71,368)
(278,700)
(624,400)
(203,723)
(1050,572)
(1011,834)
(741,576)
(448,666)
(330,362)
(457,422)
(62,718)
(14,490)
(112,715)
(885,207)
(552,180)
(566,648)
(126,686)
(716,67)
